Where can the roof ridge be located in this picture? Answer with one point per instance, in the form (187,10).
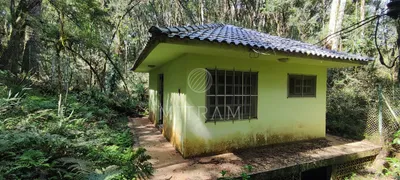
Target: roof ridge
(183,29)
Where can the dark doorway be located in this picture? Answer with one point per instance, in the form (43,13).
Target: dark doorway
(318,173)
(161,98)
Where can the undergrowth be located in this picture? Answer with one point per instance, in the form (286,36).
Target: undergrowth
(83,136)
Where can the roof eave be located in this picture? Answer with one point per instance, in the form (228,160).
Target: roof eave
(151,44)
(186,40)
(158,36)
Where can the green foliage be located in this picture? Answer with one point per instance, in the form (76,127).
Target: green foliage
(396,140)
(87,47)
(33,162)
(91,142)
(244,175)
(391,169)
(248,168)
(350,94)
(352,177)
(223,173)
(394,169)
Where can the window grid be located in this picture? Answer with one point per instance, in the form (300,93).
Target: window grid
(302,85)
(239,94)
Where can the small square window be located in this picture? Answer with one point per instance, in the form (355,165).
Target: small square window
(302,85)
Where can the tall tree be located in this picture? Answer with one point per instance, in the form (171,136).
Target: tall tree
(11,55)
(30,61)
(362,15)
(96,40)
(338,27)
(23,37)
(332,22)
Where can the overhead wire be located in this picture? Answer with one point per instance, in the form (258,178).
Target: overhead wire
(350,28)
(360,24)
(354,27)
(381,58)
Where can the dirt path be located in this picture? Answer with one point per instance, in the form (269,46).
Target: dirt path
(169,164)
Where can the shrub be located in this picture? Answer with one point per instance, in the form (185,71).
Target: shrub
(86,140)
(350,96)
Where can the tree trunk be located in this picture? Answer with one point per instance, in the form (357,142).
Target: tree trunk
(21,17)
(332,21)
(339,21)
(59,72)
(30,60)
(12,54)
(362,15)
(396,75)
(201,12)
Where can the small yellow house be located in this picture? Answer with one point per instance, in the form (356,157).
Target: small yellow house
(219,87)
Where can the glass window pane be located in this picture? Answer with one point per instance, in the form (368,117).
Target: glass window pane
(229,77)
(246,112)
(254,106)
(238,78)
(238,100)
(229,89)
(246,100)
(211,90)
(306,90)
(254,84)
(221,89)
(297,90)
(211,100)
(221,100)
(221,77)
(247,90)
(238,90)
(229,100)
(291,85)
(246,78)
(306,82)
(310,88)
(298,82)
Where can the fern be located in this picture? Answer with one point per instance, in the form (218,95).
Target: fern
(36,142)
(33,161)
(107,173)
(79,166)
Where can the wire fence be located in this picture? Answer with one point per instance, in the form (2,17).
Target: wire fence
(383,114)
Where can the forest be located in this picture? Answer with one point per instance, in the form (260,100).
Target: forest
(66,88)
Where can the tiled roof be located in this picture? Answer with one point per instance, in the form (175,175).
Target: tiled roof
(230,34)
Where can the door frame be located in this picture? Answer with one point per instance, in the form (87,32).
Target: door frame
(161,98)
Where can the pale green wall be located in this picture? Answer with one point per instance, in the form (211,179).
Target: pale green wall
(280,119)
(174,102)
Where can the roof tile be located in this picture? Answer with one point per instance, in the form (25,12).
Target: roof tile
(241,36)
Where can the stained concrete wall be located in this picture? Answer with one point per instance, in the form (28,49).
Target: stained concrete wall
(279,119)
(174,110)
